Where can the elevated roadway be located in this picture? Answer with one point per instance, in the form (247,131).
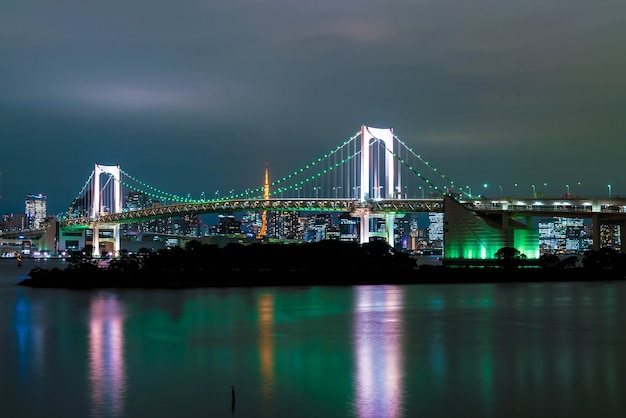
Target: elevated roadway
(609,208)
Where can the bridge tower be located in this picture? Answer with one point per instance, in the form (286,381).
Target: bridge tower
(370,181)
(99,206)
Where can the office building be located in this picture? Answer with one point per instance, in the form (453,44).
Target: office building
(35,210)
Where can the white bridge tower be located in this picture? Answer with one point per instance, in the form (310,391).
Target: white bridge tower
(103,206)
(371,187)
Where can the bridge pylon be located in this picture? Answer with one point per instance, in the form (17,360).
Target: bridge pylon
(99,207)
(371,187)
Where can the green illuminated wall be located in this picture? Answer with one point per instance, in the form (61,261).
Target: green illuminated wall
(470,236)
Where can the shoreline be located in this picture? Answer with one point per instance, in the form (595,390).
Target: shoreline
(324,263)
(77,279)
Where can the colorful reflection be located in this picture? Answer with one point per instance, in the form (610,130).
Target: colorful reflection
(107,376)
(378,351)
(29,336)
(266,345)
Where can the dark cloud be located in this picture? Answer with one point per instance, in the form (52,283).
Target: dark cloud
(197,96)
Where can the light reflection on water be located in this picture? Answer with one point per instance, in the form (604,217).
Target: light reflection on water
(378,340)
(266,349)
(107,375)
(490,350)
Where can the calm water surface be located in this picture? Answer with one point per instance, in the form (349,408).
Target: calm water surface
(492,350)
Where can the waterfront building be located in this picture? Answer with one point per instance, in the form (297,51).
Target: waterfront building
(563,235)
(610,236)
(470,237)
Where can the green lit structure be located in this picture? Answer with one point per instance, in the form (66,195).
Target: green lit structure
(472,237)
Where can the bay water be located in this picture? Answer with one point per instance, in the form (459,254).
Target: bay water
(437,350)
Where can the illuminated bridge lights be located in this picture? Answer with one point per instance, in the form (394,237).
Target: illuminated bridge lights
(583,208)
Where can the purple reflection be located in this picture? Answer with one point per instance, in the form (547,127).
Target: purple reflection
(106,356)
(378,351)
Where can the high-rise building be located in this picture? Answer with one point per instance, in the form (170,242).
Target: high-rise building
(12,222)
(251,223)
(227,224)
(403,225)
(317,227)
(284,225)
(610,236)
(136,200)
(349,227)
(35,210)
(435,228)
(563,235)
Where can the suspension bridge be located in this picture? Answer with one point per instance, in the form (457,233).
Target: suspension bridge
(373,175)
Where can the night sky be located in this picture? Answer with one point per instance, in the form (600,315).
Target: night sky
(196,96)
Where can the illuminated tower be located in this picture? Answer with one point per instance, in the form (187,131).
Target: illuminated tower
(382,188)
(35,209)
(266,195)
(108,202)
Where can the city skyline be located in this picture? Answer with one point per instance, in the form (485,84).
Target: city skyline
(198,97)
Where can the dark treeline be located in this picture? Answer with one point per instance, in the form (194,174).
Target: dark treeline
(319,263)
(198,264)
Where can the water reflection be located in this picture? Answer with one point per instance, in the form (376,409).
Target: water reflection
(29,337)
(378,351)
(473,351)
(266,346)
(107,375)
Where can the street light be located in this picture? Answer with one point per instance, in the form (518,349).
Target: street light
(610,194)
(567,187)
(500,191)
(420,187)
(534,191)
(469,190)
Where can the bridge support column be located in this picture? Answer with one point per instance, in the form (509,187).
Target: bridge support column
(365,233)
(364,236)
(116,239)
(389,226)
(96,240)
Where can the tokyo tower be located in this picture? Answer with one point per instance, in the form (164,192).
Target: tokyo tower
(266,195)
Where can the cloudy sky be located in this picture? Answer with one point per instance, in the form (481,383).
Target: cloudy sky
(194,96)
